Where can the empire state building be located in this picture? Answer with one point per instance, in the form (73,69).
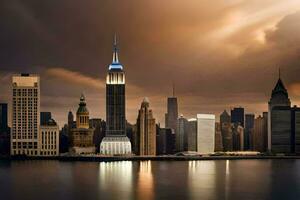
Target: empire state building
(115,141)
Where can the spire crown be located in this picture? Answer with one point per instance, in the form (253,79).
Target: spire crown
(115,51)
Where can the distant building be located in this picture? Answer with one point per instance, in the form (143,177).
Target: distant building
(172,112)
(49,133)
(146,130)
(249,125)
(45,117)
(218,138)
(192,134)
(226,131)
(238,116)
(165,141)
(99,127)
(205,133)
(115,141)
(181,134)
(237,138)
(81,137)
(259,134)
(25,137)
(4,130)
(278,137)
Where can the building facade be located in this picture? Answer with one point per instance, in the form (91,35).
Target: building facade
(248,131)
(49,142)
(192,134)
(205,133)
(218,138)
(115,141)
(181,134)
(238,116)
(145,131)
(81,138)
(25,115)
(45,117)
(279,97)
(226,131)
(165,141)
(237,138)
(259,134)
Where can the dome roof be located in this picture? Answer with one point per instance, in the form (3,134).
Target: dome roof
(82,109)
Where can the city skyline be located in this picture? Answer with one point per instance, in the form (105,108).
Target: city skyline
(243,59)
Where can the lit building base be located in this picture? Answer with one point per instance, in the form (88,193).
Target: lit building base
(115,145)
(82,150)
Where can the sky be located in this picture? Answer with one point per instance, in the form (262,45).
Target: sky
(219,54)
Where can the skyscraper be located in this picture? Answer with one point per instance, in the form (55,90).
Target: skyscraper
(181,134)
(172,112)
(205,133)
(218,138)
(237,137)
(296,128)
(25,114)
(259,132)
(237,116)
(146,130)
(279,97)
(226,131)
(192,134)
(116,141)
(248,131)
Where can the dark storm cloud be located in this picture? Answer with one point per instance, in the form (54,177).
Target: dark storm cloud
(219,55)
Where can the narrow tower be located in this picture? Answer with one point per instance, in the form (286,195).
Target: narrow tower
(116,141)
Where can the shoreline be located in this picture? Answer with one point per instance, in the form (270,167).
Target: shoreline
(145,158)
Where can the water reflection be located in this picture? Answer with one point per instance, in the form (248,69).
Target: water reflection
(202,179)
(145,181)
(116,179)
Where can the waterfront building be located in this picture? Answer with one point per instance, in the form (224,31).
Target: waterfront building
(279,98)
(237,137)
(226,131)
(296,128)
(259,134)
(45,117)
(249,125)
(205,133)
(25,115)
(145,139)
(192,134)
(99,127)
(3,117)
(218,138)
(115,141)
(171,116)
(181,134)
(165,141)
(238,116)
(49,142)
(81,138)
(282,139)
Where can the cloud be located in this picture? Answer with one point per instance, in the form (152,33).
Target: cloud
(75,78)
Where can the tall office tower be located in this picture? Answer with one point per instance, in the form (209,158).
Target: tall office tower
(172,112)
(116,141)
(192,134)
(296,128)
(45,117)
(165,141)
(181,134)
(279,97)
(281,137)
(249,125)
(3,118)
(237,116)
(81,137)
(146,131)
(226,131)
(25,114)
(237,137)
(259,134)
(49,142)
(205,133)
(218,138)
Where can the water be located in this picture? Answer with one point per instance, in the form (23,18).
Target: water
(236,179)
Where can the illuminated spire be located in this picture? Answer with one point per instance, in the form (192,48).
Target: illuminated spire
(115,51)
